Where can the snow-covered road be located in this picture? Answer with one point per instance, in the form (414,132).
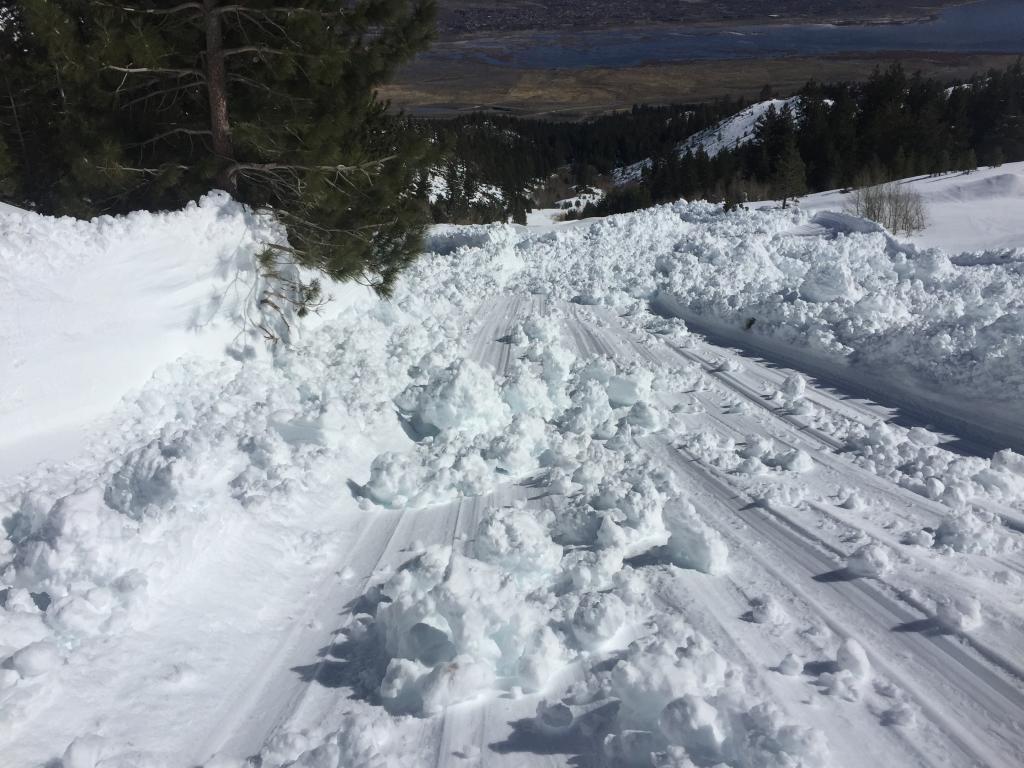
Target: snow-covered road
(516,518)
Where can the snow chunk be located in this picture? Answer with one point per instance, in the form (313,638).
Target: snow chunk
(961,614)
(695,544)
(872,561)
(768,610)
(976,532)
(514,540)
(462,398)
(851,658)
(791,665)
(36,659)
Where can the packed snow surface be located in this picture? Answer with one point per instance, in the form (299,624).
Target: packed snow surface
(522,513)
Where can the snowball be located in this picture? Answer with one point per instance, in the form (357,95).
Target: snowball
(796,461)
(644,416)
(768,610)
(756,446)
(871,560)
(851,658)
(791,665)
(517,449)
(961,614)
(526,393)
(852,500)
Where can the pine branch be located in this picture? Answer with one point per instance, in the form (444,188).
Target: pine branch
(157,70)
(163,92)
(147,171)
(255,49)
(256,168)
(191,6)
(174,132)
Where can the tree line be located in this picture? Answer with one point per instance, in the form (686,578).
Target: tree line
(842,135)
(534,162)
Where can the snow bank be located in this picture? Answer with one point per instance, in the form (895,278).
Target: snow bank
(218,442)
(976,212)
(92,308)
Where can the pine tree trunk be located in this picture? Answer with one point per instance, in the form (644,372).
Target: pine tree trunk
(216,85)
(27,170)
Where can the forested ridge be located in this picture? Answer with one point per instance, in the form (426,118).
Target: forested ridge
(894,125)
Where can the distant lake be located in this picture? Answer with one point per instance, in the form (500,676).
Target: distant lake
(989,26)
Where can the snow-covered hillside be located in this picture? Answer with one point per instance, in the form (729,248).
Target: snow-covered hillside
(734,131)
(978,211)
(737,130)
(524,513)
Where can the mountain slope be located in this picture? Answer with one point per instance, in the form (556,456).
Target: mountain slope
(734,131)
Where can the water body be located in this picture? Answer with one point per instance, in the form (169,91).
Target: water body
(989,26)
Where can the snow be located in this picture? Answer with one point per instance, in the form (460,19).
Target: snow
(975,213)
(92,309)
(730,133)
(737,130)
(523,513)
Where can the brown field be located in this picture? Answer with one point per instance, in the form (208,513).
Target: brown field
(451,87)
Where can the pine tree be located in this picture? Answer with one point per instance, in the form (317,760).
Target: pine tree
(790,178)
(8,181)
(271,100)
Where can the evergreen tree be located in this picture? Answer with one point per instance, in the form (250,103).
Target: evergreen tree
(790,178)
(7,179)
(271,100)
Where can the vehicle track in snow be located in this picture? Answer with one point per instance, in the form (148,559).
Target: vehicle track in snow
(973,682)
(289,688)
(984,685)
